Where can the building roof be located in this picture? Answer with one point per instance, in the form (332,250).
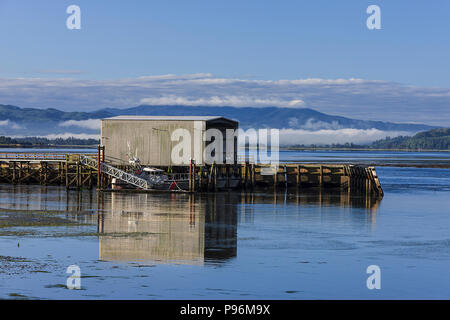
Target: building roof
(170,118)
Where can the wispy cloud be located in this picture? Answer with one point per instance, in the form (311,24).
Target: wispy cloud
(355,98)
(9,124)
(233,101)
(92,124)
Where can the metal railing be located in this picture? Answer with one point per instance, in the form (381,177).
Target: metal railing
(39,156)
(116,173)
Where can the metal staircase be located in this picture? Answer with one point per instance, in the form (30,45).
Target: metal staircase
(116,173)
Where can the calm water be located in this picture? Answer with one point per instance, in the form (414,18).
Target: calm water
(234,246)
(368,157)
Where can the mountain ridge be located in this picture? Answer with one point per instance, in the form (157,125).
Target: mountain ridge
(16,120)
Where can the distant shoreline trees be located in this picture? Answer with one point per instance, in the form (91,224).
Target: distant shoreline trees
(436,139)
(41,141)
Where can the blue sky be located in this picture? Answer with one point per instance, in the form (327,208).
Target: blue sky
(239,39)
(298,54)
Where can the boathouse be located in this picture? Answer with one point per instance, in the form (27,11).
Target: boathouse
(152,139)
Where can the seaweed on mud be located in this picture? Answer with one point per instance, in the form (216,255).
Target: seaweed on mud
(20,219)
(19,265)
(14,295)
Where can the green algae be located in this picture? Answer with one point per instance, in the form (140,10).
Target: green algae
(14,295)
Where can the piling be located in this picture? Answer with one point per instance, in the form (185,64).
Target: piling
(70,171)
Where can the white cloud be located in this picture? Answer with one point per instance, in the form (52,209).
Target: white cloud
(93,124)
(71,135)
(9,124)
(231,101)
(339,136)
(354,98)
(313,124)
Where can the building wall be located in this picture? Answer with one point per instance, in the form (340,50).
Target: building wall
(149,140)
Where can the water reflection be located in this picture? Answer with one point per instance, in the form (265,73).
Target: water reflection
(182,228)
(163,229)
(194,229)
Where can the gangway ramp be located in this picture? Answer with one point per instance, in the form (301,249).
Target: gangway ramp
(116,173)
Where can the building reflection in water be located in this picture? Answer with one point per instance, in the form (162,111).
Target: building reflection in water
(162,229)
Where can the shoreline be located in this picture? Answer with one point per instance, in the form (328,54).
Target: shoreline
(24,146)
(358,149)
(20,146)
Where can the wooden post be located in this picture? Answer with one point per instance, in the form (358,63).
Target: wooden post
(207,178)
(215,177)
(228,175)
(61,173)
(99,180)
(298,177)
(90,178)
(275,179)
(14,172)
(321,176)
(78,175)
(45,173)
(253,175)
(190,176)
(41,169)
(193,175)
(67,174)
(246,175)
(200,178)
(349,173)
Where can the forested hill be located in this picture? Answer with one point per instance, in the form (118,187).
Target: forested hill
(435,139)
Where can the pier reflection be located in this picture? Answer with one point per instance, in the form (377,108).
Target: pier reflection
(183,228)
(322,206)
(194,229)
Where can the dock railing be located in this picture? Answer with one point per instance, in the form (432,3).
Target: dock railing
(41,156)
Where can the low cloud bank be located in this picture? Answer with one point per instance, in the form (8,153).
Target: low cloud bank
(296,136)
(339,136)
(354,98)
(92,124)
(9,124)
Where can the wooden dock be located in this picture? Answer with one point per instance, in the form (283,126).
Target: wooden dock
(67,169)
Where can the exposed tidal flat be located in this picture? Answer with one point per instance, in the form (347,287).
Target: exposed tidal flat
(289,245)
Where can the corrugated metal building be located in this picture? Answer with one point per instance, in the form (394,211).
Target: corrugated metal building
(150,138)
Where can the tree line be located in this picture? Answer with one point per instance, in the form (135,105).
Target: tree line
(41,141)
